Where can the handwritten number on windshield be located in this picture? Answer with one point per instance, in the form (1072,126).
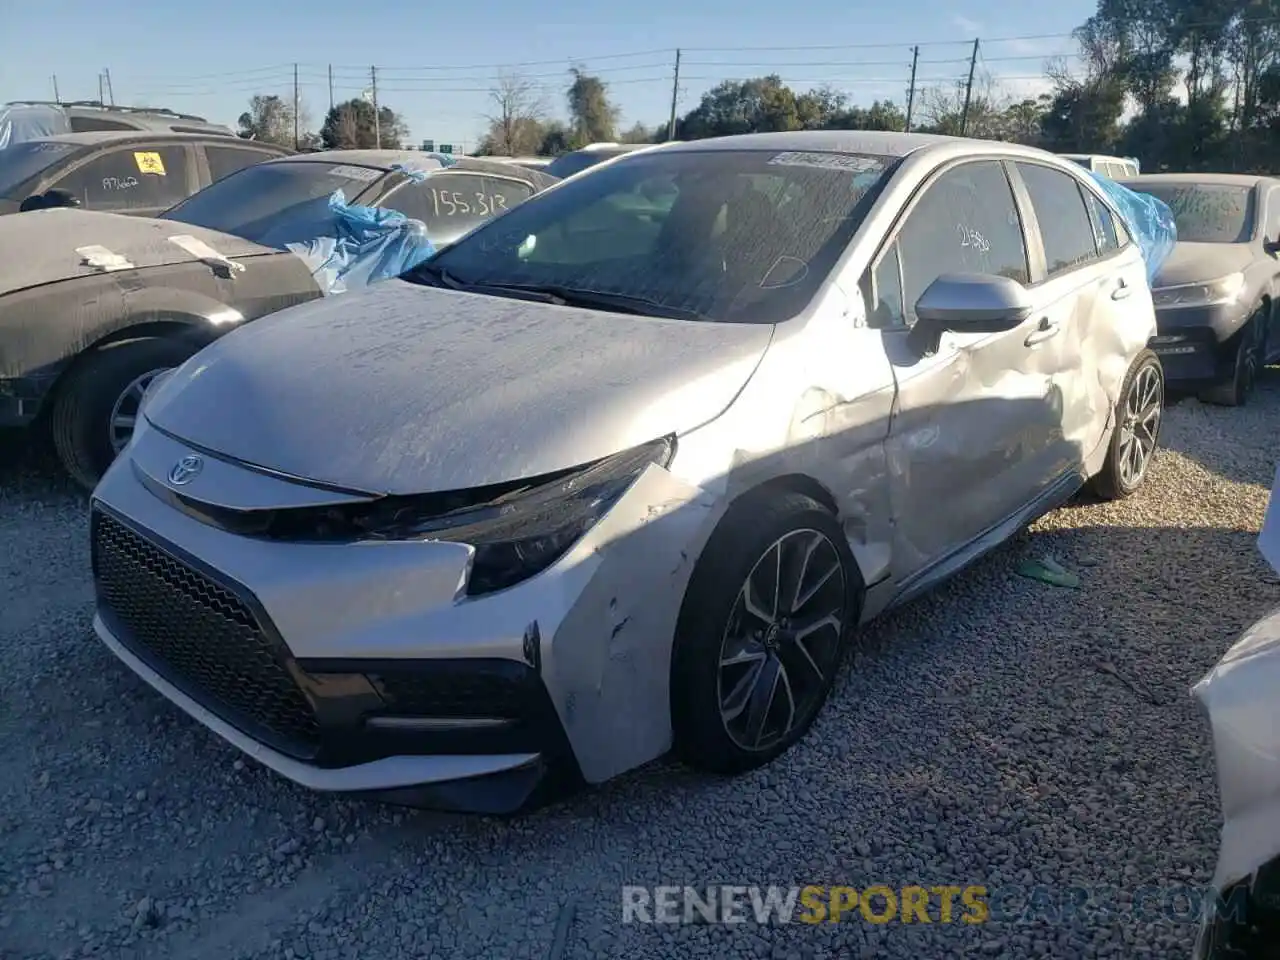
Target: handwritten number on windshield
(455,203)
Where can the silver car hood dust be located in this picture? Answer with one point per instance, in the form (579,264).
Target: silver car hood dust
(406,389)
(1201,262)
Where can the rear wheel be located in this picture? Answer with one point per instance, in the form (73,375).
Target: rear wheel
(1139,413)
(1235,391)
(97,406)
(762,631)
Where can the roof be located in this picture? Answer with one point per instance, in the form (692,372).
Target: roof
(1096,156)
(826,141)
(1204,179)
(94,137)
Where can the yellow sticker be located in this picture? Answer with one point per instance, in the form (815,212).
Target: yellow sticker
(150,163)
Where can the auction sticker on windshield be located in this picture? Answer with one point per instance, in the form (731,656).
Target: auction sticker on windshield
(355,173)
(836,161)
(149,162)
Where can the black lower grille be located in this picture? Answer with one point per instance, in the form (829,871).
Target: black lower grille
(200,637)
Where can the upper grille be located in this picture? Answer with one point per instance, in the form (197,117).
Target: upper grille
(200,636)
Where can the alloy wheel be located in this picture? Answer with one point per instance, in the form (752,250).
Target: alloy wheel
(782,642)
(124,412)
(1140,426)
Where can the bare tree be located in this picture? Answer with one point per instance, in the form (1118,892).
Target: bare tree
(515,126)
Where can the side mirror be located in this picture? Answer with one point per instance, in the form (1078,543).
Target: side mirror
(49,200)
(969,303)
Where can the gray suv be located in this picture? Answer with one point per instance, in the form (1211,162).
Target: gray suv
(24,120)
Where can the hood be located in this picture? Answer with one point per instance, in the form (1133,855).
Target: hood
(406,389)
(1199,262)
(40,246)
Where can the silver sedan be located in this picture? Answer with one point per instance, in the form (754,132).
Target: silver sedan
(625,468)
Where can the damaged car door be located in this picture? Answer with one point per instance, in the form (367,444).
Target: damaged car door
(972,434)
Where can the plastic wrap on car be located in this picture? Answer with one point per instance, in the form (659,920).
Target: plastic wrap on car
(1150,221)
(19,124)
(355,246)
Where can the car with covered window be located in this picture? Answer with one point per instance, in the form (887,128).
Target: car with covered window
(93,305)
(625,469)
(1216,295)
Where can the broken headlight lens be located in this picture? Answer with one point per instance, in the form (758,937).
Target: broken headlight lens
(523,532)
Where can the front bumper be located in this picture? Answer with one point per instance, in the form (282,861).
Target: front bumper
(360,668)
(1191,343)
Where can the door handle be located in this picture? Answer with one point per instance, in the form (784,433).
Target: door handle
(1046,329)
(1122,291)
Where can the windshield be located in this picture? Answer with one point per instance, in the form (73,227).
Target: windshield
(252,202)
(743,236)
(1206,213)
(19,162)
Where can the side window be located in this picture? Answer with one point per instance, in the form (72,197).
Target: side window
(1065,227)
(224,161)
(1103,223)
(882,290)
(91,124)
(966,222)
(451,203)
(132,178)
(1273,215)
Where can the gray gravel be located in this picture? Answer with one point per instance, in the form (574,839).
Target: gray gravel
(999,731)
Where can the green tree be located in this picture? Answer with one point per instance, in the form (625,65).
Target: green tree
(742,106)
(351,125)
(592,116)
(270,119)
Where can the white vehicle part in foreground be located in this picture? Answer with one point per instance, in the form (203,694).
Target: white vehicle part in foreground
(1240,696)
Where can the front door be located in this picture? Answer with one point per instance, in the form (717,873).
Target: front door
(974,422)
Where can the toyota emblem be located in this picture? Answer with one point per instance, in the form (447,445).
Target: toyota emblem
(186,470)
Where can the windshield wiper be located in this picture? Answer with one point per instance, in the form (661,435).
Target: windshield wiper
(440,275)
(599,300)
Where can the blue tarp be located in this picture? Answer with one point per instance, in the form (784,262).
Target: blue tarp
(1149,220)
(347,246)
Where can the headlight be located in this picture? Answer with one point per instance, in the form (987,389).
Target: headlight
(1224,290)
(152,387)
(521,533)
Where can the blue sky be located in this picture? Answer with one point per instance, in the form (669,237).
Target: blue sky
(436,62)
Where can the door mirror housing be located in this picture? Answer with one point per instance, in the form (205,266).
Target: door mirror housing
(973,303)
(49,200)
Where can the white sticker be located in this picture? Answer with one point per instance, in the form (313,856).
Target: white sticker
(830,161)
(355,173)
(202,251)
(102,258)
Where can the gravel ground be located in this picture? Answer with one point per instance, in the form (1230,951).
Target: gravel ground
(1000,731)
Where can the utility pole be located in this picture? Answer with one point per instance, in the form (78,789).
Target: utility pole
(56,98)
(331,88)
(377,121)
(101,96)
(111,93)
(295,106)
(911,94)
(968,90)
(675,96)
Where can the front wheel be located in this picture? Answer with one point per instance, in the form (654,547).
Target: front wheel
(97,406)
(1139,413)
(1236,390)
(761,632)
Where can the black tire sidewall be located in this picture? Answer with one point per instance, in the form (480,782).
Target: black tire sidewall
(749,527)
(84,403)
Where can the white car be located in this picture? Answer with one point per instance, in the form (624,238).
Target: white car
(625,468)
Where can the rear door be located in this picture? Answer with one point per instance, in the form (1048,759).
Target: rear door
(973,428)
(1096,302)
(138,179)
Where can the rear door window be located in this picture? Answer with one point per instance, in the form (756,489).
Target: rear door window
(133,179)
(224,161)
(1104,225)
(1065,227)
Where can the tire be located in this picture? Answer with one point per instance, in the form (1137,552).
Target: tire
(81,418)
(713,616)
(1236,390)
(1141,402)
